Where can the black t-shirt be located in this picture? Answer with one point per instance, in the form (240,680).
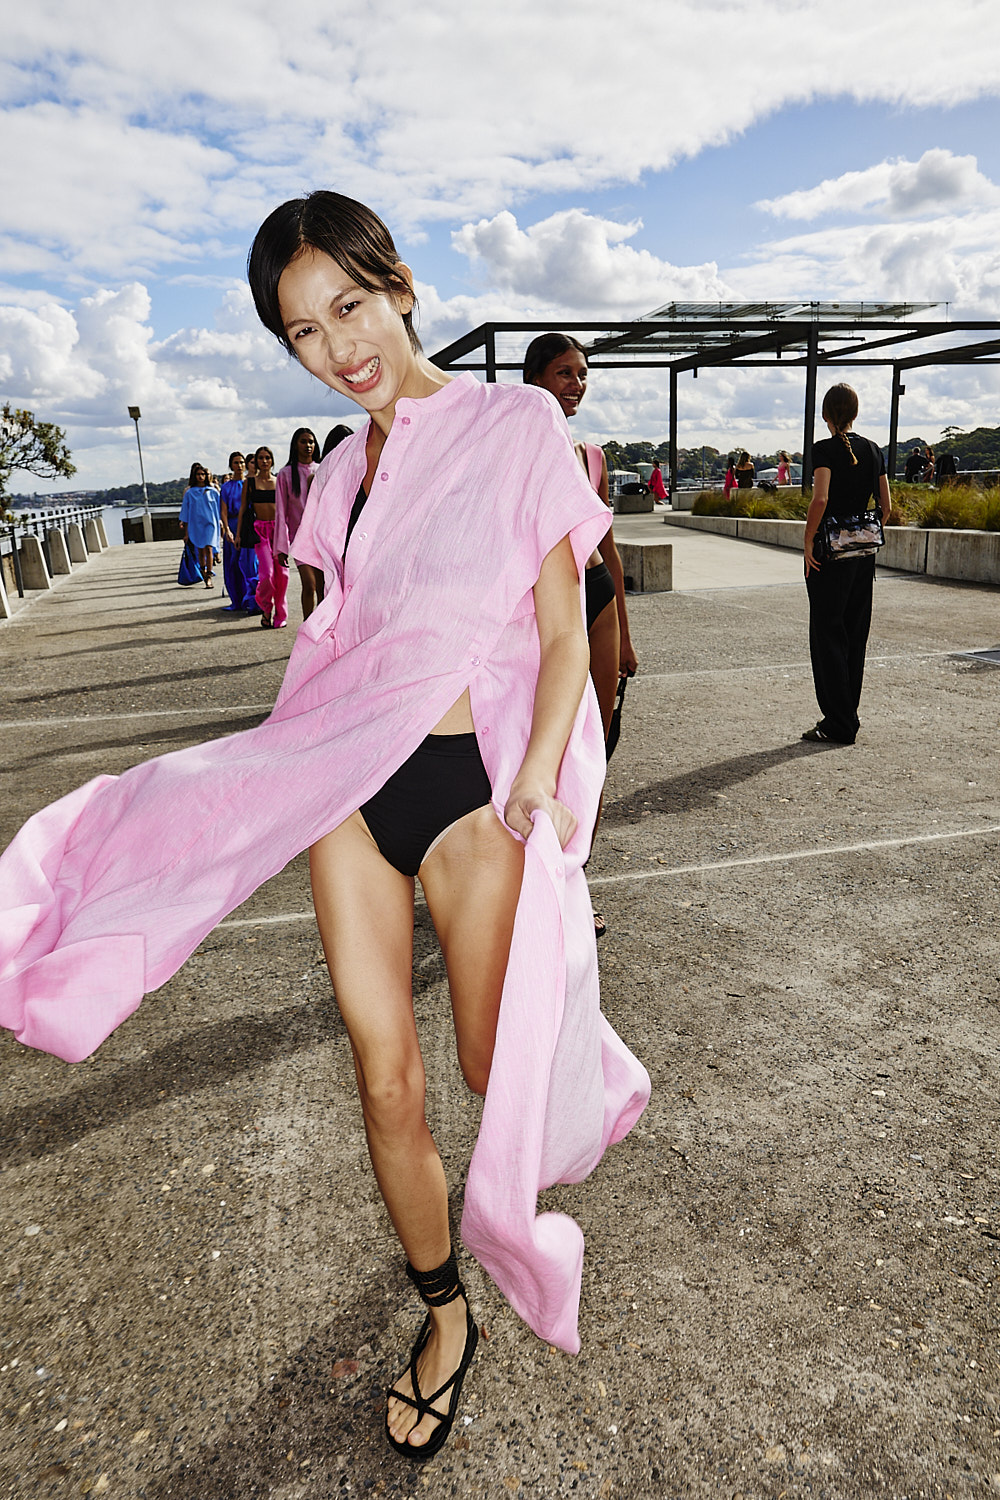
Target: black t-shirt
(851,485)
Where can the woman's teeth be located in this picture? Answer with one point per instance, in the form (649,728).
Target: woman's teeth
(365,373)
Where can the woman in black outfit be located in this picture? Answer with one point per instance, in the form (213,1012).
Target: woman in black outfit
(745,471)
(845,478)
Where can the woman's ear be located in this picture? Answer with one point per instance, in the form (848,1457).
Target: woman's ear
(405,301)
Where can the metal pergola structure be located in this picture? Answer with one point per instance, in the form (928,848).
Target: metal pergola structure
(693,336)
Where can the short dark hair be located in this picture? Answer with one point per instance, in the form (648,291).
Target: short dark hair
(347,231)
(543,350)
(235,454)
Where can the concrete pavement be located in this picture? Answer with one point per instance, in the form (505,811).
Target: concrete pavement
(790,1278)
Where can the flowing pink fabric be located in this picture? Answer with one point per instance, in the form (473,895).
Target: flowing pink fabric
(104,894)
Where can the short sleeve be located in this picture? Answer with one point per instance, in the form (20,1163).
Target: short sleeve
(324,518)
(558,498)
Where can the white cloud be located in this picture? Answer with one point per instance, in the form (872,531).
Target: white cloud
(938,183)
(177,123)
(139,140)
(954,259)
(575,260)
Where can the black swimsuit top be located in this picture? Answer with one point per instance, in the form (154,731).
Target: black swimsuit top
(356,509)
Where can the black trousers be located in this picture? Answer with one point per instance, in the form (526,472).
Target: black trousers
(840,615)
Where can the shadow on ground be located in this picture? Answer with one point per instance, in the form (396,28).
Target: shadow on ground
(698,788)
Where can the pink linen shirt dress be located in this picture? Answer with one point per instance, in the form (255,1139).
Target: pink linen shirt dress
(105,893)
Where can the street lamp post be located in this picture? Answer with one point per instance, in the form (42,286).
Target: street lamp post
(147,520)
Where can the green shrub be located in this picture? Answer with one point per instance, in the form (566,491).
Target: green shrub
(714,503)
(949,507)
(990,512)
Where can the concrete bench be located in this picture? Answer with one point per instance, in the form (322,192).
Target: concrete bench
(648,566)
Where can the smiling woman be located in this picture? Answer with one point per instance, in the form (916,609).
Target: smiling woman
(452,531)
(436,722)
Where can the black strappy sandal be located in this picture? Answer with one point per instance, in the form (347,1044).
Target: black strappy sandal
(437,1289)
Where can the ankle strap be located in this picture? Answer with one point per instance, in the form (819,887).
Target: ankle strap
(437,1287)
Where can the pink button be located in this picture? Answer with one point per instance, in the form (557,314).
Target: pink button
(475,661)
(406,421)
(383,476)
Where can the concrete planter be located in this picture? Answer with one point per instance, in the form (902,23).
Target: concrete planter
(632,505)
(648,566)
(971,556)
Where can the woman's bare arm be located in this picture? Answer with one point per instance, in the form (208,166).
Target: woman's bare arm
(562,676)
(817,506)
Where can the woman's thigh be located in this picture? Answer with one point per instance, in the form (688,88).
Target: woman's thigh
(604,637)
(364,908)
(472,882)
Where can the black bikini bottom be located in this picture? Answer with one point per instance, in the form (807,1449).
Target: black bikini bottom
(443,780)
(599,590)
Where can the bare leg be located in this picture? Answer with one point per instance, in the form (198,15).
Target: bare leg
(472,881)
(605,645)
(365,912)
(604,638)
(312,584)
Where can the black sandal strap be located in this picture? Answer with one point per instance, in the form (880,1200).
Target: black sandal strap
(438,1287)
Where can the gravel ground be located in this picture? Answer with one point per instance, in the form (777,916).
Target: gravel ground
(789,1287)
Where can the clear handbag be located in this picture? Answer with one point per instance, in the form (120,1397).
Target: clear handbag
(860,535)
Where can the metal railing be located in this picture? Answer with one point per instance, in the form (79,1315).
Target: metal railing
(39,523)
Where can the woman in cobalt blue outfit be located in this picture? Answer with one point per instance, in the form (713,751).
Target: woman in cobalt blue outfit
(200,520)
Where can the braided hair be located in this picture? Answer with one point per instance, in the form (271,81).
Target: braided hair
(840,407)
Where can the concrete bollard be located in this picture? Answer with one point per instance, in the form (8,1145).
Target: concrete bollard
(77,547)
(33,569)
(92,536)
(59,552)
(101,531)
(648,566)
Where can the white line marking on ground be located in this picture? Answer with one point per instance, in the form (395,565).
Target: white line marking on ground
(793,854)
(265,708)
(150,713)
(800,666)
(720,864)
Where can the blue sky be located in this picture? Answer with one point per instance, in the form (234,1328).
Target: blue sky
(533,162)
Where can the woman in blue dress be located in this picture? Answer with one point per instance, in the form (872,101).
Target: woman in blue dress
(200,521)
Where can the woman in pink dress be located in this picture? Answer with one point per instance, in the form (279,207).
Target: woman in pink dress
(436,723)
(291,488)
(327,282)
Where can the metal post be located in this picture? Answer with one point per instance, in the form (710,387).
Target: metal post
(16,559)
(147,520)
(898,389)
(491,356)
(809,419)
(672,435)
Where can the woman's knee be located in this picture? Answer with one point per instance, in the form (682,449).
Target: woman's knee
(392,1094)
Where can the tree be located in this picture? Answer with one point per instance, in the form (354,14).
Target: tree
(614,455)
(37,447)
